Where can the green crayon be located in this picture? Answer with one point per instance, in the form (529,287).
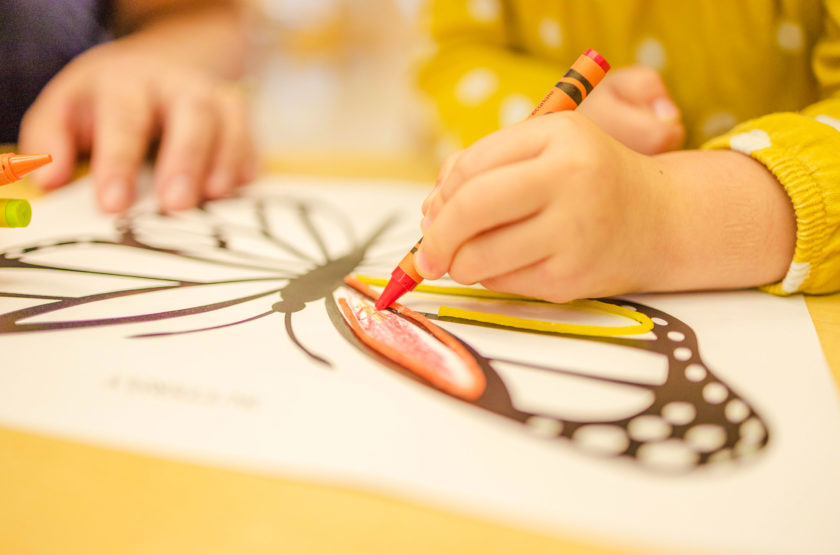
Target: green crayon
(15,212)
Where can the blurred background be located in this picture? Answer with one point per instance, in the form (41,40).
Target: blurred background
(332,83)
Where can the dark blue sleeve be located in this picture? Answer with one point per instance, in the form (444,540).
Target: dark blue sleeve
(37,39)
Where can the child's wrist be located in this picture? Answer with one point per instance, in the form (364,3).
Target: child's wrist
(655,233)
(726,222)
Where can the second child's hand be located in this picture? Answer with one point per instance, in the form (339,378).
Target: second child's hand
(159,84)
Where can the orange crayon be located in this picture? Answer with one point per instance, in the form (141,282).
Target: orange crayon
(14,166)
(567,94)
(575,85)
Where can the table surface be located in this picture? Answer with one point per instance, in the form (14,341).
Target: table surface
(61,496)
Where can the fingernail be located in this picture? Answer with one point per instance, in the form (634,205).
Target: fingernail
(115,196)
(429,199)
(219,184)
(180,193)
(665,110)
(421,264)
(426,222)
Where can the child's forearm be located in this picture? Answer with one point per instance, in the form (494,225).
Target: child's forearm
(209,35)
(727,223)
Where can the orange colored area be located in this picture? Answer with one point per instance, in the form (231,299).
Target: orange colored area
(471,390)
(14,166)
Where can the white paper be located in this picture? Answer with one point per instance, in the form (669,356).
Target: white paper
(245,395)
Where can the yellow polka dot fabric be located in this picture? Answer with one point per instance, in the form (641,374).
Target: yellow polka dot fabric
(761,77)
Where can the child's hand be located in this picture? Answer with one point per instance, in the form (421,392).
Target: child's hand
(552,208)
(634,107)
(114,101)
(557,209)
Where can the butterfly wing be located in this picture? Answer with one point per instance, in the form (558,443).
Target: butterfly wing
(672,415)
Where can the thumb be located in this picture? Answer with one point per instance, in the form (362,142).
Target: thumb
(642,86)
(646,132)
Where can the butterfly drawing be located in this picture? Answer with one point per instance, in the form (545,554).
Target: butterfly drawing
(271,254)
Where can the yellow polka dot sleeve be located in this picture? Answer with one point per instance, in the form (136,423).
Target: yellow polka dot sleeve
(755,62)
(803,151)
(476,80)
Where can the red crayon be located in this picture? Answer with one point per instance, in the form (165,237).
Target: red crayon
(404,278)
(567,94)
(14,166)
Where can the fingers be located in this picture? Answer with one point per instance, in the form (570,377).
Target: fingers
(495,198)
(234,160)
(445,168)
(633,106)
(506,249)
(638,85)
(643,86)
(642,130)
(48,127)
(189,139)
(540,280)
(124,119)
(508,146)
(112,103)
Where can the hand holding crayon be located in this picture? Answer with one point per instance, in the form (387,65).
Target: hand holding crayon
(550,208)
(587,71)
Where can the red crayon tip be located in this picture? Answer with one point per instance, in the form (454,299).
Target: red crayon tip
(15,166)
(598,59)
(399,284)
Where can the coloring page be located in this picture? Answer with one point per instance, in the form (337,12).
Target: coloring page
(229,335)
